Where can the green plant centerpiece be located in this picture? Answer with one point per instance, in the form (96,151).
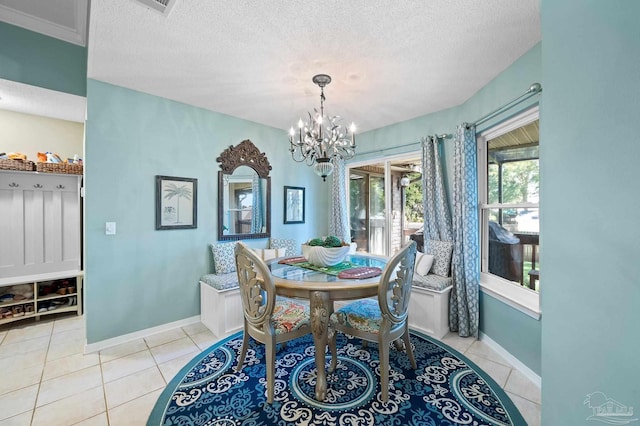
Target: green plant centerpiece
(328,251)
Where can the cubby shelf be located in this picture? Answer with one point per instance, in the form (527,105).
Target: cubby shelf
(38,282)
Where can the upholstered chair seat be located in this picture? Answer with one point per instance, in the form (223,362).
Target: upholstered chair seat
(289,315)
(363,315)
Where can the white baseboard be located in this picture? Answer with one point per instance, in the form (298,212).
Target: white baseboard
(104,344)
(517,364)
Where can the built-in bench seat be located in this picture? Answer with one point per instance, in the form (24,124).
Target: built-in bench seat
(432,283)
(220,303)
(429,304)
(221,282)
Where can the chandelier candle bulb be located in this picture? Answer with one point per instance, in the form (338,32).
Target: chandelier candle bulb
(353,135)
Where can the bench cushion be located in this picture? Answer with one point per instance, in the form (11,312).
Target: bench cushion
(432,281)
(221,281)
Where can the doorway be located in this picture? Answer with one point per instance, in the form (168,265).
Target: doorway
(385,203)
(367,209)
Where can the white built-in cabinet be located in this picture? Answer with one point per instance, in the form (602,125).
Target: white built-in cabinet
(40,242)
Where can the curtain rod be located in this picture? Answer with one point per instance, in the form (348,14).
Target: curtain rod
(441,136)
(534,89)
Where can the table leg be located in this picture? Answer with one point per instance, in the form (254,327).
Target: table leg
(320,310)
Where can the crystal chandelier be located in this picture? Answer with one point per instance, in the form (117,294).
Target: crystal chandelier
(321,139)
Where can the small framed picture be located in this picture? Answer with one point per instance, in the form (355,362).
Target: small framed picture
(176,203)
(293,204)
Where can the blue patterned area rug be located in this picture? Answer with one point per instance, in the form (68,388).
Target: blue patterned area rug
(446,389)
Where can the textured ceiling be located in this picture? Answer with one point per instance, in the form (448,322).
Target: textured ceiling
(38,101)
(390,61)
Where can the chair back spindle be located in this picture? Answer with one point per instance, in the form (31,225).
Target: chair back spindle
(395,285)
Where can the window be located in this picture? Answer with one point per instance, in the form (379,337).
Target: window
(509,193)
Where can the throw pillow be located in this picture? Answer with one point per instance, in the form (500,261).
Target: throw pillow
(423,263)
(223,257)
(290,245)
(441,251)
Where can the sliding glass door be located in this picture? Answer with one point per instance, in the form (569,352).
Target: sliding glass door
(381,217)
(367,211)
(377,216)
(358,209)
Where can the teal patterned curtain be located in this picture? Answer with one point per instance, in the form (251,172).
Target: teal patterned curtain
(339,216)
(463,307)
(256,209)
(437,216)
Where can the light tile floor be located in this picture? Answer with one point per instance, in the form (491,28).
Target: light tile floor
(45,379)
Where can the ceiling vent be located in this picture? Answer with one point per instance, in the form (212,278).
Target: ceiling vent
(162,6)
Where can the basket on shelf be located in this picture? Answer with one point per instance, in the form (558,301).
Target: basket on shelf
(62,168)
(24,165)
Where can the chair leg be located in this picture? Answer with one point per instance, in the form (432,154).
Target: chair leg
(243,350)
(397,344)
(270,349)
(384,370)
(408,348)
(333,350)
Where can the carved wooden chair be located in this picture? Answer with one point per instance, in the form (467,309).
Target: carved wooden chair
(269,320)
(384,320)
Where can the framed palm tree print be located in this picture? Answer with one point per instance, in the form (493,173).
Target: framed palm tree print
(176,203)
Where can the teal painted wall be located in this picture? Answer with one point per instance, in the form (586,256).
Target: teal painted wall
(35,59)
(590,204)
(513,330)
(140,277)
(506,325)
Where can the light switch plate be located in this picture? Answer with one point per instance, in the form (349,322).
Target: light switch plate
(110,228)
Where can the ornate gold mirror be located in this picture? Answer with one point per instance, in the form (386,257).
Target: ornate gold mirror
(244,193)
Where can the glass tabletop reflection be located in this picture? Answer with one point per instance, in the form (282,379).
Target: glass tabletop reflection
(296,273)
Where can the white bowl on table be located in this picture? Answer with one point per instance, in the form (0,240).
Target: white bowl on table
(324,256)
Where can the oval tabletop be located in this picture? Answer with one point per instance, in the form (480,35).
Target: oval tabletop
(296,281)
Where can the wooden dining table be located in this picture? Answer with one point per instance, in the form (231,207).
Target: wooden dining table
(322,290)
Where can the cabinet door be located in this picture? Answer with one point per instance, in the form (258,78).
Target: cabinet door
(40,217)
